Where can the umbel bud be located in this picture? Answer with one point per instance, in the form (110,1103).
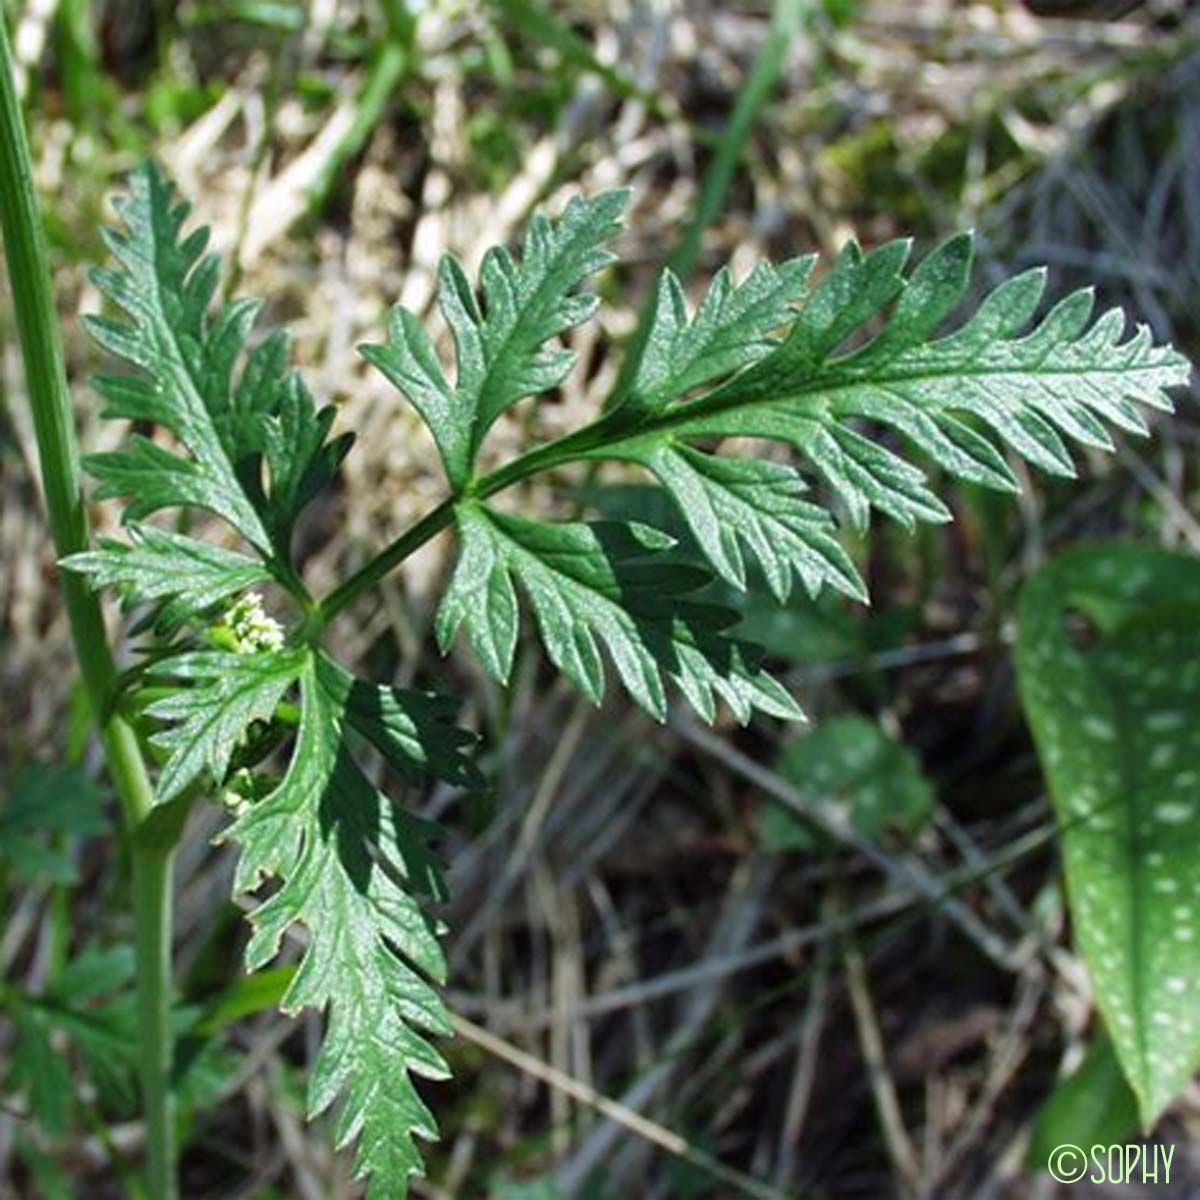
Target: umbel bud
(246,628)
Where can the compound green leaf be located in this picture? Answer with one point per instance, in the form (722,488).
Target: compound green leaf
(165,289)
(186,382)
(39,1070)
(96,971)
(236,432)
(277,422)
(500,344)
(223,695)
(599,583)
(731,329)
(413,730)
(1030,390)
(92,1005)
(184,577)
(350,867)
(1114,715)
(46,1174)
(729,502)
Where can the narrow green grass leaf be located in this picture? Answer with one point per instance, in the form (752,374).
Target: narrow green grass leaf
(249,996)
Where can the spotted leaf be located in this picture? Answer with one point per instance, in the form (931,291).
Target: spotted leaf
(1108,656)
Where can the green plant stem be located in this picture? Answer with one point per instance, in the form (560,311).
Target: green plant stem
(572,448)
(152,885)
(411,540)
(50,401)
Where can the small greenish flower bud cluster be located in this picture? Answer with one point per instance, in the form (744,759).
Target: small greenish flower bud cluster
(234,796)
(253,631)
(243,788)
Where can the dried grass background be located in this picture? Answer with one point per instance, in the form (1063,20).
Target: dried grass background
(850,1024)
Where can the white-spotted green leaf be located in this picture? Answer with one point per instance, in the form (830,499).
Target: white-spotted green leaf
(600,584)
(1114,710)
(849,762)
